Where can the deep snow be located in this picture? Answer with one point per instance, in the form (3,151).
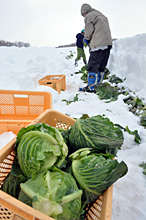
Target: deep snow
(21,69)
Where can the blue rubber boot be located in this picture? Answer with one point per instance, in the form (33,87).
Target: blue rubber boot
(92,81)
(100,78)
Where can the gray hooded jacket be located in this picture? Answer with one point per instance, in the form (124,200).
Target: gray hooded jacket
(97,29)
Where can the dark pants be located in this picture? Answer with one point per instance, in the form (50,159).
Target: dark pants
(98,60)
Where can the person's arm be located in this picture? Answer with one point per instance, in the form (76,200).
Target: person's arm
(89,28)
(86,42)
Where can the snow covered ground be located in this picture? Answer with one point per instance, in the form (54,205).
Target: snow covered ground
(21,69)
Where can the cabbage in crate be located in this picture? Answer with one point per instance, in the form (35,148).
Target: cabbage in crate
(39,147)
(96,132)
(55,193)
(96,172)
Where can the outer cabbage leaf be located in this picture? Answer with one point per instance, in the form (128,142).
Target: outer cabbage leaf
(54,193)
(107,92)
(38,148)
(95,173)
(11,184)
(24,198)
(96,132)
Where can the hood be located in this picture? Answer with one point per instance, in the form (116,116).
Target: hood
(85,8)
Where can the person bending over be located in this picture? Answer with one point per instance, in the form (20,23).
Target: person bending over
(98,37)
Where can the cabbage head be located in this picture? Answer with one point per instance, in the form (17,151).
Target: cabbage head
(96,172)
(96,132)
(39,147)
(55,193)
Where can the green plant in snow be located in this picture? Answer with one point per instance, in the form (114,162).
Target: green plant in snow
(70,56)
(135,104)
(106,91)
(82,70)
(143,119)
(75,99)
(143,165)
(115,79)
(84,77)
(106,73)
(135,133)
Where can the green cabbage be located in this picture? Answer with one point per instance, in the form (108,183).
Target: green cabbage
(96,172)
(96,132)
(55,193)
(38,148)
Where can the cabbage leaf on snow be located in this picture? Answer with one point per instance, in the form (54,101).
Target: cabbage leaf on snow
(39,147)
(96,132)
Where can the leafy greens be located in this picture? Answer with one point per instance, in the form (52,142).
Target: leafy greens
(55,193)
(96,132)
(38,148)
(96,172)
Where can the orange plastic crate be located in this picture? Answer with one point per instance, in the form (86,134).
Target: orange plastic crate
(56,82)
(20,108)
(13,208)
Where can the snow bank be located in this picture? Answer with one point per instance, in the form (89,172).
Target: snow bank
(128,60)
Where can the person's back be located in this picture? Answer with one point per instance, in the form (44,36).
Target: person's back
(99,32)
(79,42)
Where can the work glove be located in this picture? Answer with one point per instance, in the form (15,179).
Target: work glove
(86,42)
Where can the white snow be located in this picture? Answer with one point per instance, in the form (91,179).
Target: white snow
(5,137)
(21,69)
